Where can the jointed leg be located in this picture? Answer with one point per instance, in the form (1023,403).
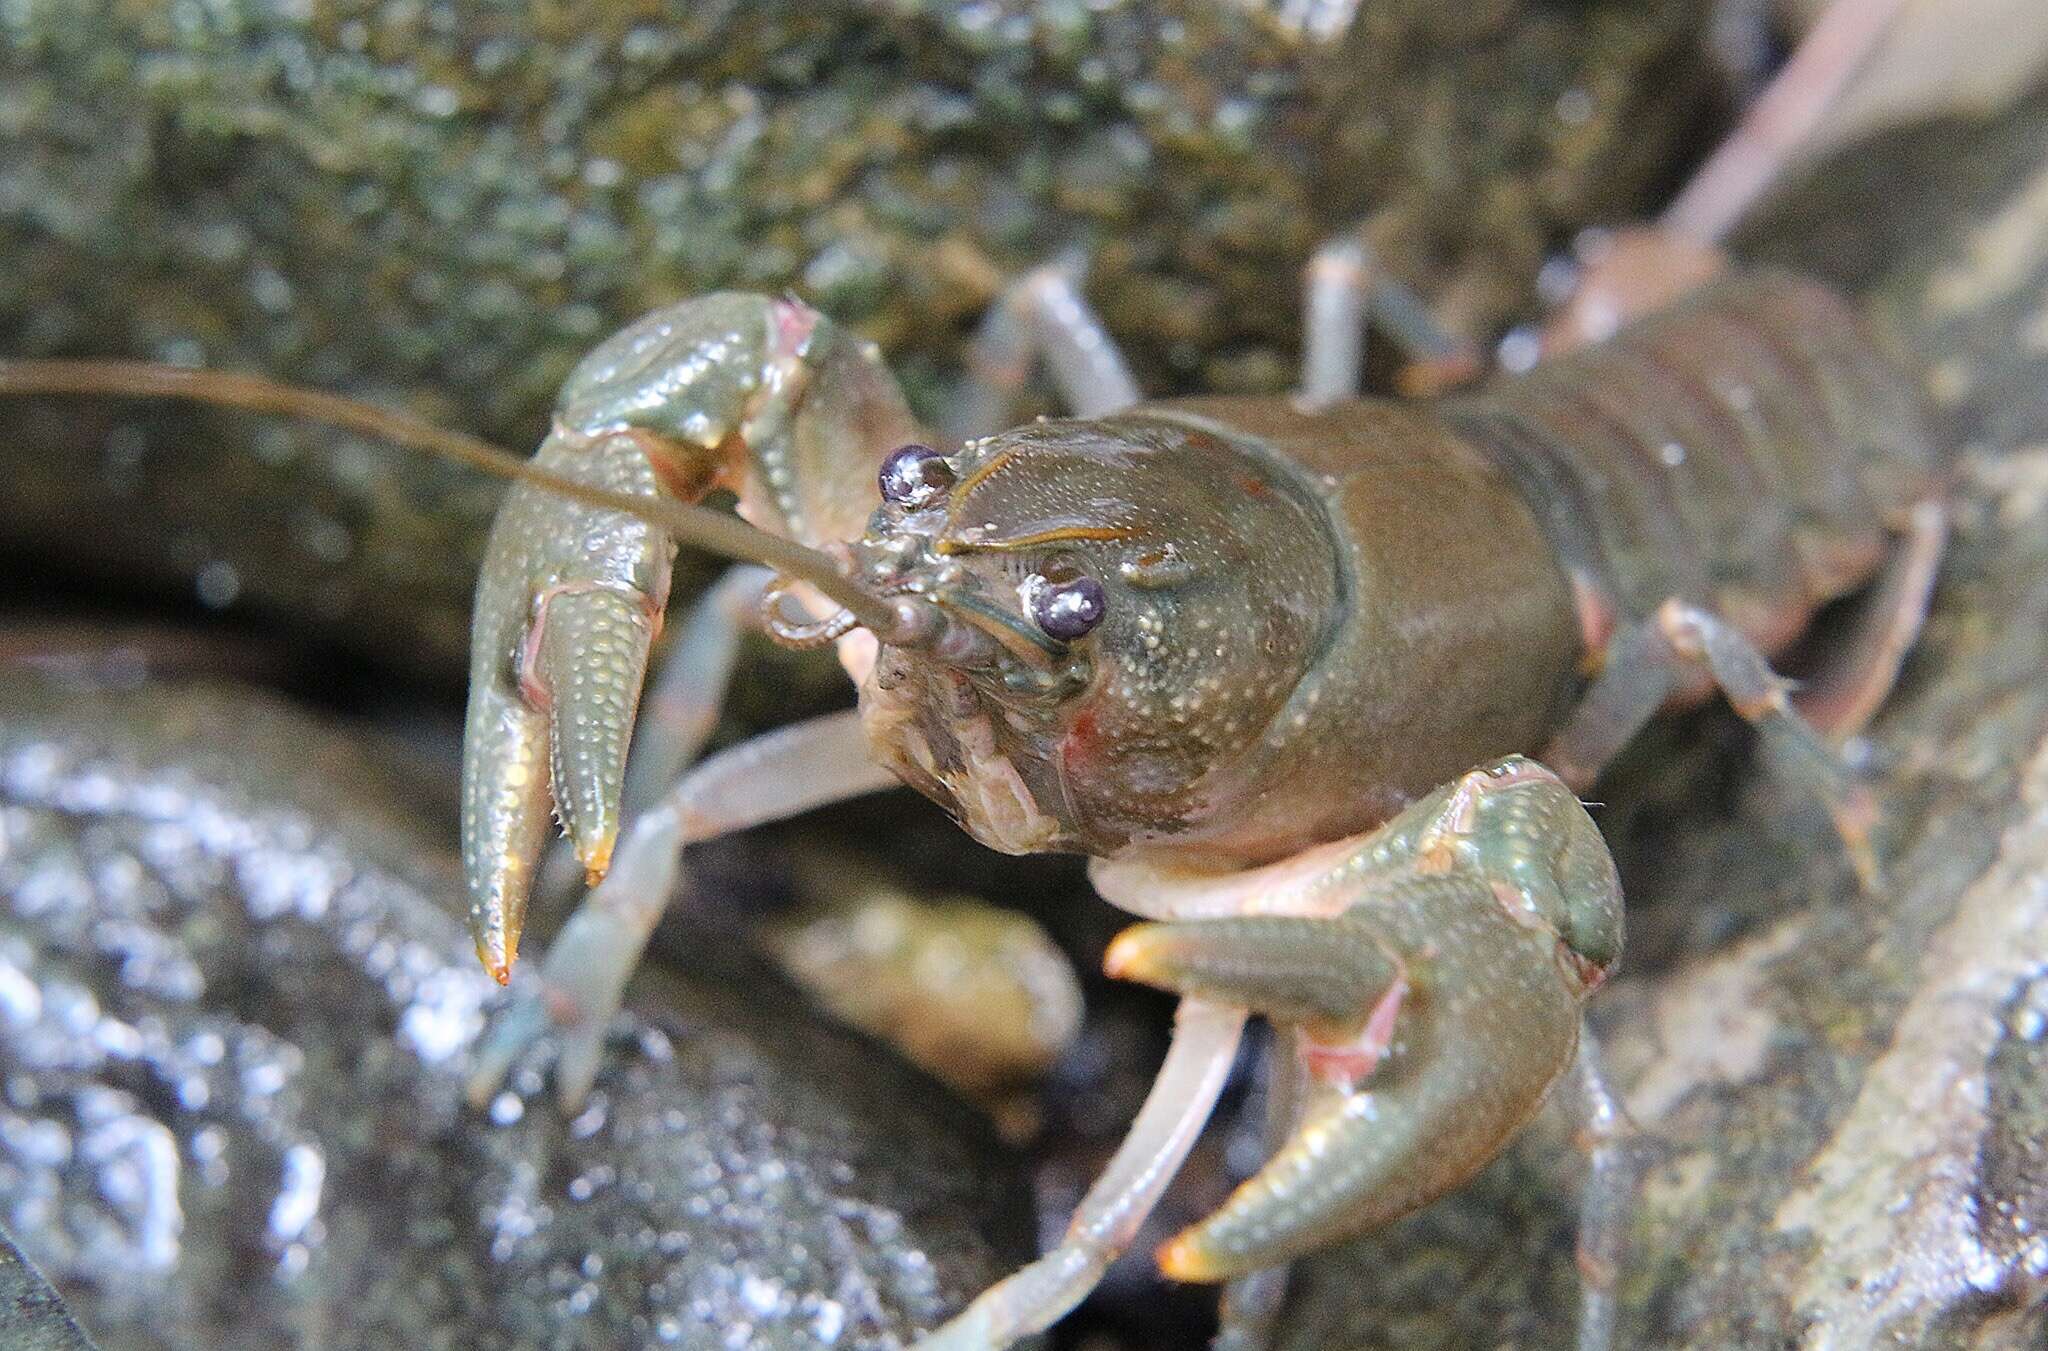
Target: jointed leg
(776,775)
(1607,1194)
(1042,316)
(1856,682)
(1348,293)
(1781,122)
(1339,282)
(680,708)
(1205,1038)
(1640,672)
(1644,666)
(1645,268)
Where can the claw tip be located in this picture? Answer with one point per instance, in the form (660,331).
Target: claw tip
(497,961)
(1181,1259)
(1121,954)
(1133,955)
(596,857)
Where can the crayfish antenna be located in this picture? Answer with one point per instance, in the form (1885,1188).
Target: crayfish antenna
(712,531)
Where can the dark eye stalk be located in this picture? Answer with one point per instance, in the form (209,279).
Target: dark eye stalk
(914,476)
(1067,610)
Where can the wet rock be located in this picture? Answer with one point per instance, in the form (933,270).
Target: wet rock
(32,1315)
(444,207)
(235,1013)
(1842,1095)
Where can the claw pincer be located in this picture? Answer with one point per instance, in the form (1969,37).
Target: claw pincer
(567,607)
(1437,970)
(751,394)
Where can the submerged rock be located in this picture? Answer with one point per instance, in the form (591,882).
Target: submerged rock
(235,1016)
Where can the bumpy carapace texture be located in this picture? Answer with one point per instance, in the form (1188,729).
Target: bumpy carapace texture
(1314,618)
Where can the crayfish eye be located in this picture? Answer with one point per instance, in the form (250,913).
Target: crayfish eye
(1067,610)
(913,475)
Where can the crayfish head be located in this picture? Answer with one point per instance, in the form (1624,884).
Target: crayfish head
(1121,607)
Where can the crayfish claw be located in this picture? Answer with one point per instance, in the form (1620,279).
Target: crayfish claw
(1433,971)
(567,606)
(753,394)
(504,819)
(592,658)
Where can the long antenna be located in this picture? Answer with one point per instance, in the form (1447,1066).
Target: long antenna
(710,530)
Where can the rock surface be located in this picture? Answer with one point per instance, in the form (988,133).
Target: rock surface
(235,1013)
(32,1314)
(444,206)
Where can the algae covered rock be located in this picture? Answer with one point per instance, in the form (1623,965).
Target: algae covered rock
(444,206)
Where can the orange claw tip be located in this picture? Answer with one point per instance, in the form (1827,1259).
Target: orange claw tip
(1182,1259)
(499,953)
(1124,959)
(597,859)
